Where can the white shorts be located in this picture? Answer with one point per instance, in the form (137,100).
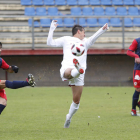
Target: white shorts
(79,81)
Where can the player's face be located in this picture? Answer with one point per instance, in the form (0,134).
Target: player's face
(82,34)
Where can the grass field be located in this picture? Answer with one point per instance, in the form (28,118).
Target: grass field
(39,114)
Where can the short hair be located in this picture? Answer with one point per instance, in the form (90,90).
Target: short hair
(75,28)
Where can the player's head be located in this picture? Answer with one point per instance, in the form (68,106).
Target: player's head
(78,31)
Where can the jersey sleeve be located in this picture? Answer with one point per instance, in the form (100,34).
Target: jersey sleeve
(132,48)
(91,40)
(54,42)
(131,54)
(3,64)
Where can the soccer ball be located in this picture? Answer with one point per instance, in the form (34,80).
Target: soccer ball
(77,49)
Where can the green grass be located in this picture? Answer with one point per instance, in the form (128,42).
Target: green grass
(39,114)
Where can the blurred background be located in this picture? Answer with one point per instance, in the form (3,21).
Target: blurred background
(24,26)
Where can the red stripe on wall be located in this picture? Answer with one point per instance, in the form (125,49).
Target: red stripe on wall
(60,52)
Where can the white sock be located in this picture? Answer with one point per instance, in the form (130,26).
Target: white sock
(73,108)
(74,73)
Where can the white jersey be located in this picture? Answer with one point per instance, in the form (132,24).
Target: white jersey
(68,57)
(67,41)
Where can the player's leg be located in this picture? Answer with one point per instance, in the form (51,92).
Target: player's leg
(3,100)
(78,66)
(73,72)
(2,84)
(17,84)
(135,98)
(138,104)
(77,92)
(3,103)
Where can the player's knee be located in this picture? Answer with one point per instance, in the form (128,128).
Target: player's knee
(138,89)
(76,101)
(68,75)
(2,84)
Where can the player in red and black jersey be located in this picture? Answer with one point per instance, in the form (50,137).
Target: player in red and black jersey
(134,51)
(14,84)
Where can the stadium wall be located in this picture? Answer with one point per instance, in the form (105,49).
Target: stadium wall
(102,70)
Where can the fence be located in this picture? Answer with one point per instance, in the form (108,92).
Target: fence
(22,21)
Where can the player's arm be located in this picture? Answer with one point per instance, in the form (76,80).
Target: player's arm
(7,67)
(54,42)
(90,41)
(132,49)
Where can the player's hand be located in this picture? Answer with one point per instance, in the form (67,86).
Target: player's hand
(15,68)
(137,60)
(54,25)
(105,27)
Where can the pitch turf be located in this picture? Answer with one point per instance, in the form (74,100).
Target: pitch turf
(39,114)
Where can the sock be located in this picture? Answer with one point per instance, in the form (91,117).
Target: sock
(16,84)
(135,99)
(74,73)
(73,108)
(1,108)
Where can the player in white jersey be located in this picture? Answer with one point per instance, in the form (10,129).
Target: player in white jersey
(73,67)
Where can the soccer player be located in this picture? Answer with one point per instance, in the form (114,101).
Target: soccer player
(73,67)
(134,51)
(8,84)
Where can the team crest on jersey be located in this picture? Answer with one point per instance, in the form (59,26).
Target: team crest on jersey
(137,77)
(135,83)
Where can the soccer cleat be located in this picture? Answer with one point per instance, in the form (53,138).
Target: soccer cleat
(133,112)
(67,122)
(78,66)
(31,80)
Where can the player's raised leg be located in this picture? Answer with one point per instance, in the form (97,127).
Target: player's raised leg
(77,91)
(31,80)
(18,84)
(13,85)
(73,72)
(78,66)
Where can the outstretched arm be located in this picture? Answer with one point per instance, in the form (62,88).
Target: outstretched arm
(90,41)
(50,41)
(7,67)
(12,69)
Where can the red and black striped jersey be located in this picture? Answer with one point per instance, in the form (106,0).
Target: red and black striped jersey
(3,64)
(134,51)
